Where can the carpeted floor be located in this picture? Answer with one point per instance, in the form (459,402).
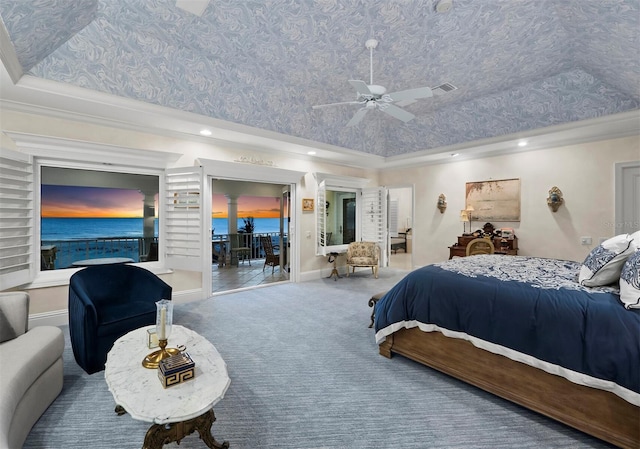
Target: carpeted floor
(306,374)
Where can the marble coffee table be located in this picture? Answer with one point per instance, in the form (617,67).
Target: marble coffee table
(176,411)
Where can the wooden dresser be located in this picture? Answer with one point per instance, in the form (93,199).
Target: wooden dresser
(460,247)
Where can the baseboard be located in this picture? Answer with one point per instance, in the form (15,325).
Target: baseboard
(61,317)
(314,275)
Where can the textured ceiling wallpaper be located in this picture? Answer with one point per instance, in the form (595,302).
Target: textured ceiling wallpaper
(518,65)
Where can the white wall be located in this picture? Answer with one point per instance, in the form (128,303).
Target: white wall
(584,173)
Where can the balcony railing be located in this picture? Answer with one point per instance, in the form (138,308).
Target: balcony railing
(221,243)
(59,254)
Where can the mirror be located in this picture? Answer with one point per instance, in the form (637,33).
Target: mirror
(340,223)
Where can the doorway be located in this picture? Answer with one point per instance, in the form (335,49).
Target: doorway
(627,197)
(400,227)
(250,219)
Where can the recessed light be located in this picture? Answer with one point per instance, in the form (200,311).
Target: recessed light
(522,143)
(455,154)
(311,153)
(205,132)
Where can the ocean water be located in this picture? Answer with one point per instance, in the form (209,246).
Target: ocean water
(53,229)
(80,238)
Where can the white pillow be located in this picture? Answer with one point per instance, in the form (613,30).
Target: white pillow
(630,282)
(604,263)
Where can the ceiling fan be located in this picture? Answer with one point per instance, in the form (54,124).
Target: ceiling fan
(372,96)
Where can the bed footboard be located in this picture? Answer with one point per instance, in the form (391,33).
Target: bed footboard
(596,412)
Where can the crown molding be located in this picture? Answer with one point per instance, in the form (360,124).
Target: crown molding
(8,55)
(60,148)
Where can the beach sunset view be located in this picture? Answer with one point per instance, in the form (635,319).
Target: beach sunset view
(98,202)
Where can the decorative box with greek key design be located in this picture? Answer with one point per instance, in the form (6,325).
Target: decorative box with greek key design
(176,369)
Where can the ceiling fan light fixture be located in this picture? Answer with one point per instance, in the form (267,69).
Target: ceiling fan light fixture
(377,90)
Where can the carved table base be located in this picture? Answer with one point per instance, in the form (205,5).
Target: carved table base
(161,434)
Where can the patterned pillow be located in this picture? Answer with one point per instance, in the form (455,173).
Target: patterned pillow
(604,263)
(630,282)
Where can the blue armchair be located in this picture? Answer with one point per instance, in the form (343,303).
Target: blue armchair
(106,302)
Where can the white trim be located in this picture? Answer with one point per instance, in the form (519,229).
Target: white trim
(250,172)
(56,147)
(61,317)
(620,226)
(334,180)
(9,56)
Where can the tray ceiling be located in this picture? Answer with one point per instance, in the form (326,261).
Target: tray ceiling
(518,65)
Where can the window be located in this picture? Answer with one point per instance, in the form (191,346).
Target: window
(91,214)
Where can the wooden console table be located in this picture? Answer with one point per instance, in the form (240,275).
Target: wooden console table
(460,247)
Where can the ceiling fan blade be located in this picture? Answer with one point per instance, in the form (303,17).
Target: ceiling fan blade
(357,117)
(361,87)
(396,112)
(411,94)
(319,106)
(403,103)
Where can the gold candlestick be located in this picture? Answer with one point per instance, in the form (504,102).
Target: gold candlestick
(153,360)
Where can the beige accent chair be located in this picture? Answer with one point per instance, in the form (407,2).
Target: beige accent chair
(363,254)
(480,246)
(30,369)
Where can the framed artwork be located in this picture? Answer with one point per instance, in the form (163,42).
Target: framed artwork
(497,200)
(307,204)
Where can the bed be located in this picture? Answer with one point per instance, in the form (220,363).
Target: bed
(399,242)
(514,326)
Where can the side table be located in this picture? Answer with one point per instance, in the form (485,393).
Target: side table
(333,258)
(176,411)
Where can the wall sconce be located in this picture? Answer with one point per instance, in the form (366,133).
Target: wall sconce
(555,200)
(442,203)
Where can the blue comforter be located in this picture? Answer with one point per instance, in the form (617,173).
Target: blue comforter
(529,305)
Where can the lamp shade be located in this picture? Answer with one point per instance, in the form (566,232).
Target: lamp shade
(464,215)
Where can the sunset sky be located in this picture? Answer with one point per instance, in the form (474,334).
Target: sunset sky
(98,202)
(255,206)
(78,202)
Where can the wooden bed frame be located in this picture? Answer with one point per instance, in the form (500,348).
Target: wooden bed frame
(596,412)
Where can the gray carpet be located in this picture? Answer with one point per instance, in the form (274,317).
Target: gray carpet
(306,374)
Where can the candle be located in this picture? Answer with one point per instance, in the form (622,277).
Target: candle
(163,323)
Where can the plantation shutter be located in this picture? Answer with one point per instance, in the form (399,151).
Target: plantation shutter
(321,219)
(183,218)
(17,250)
(393,218)
(373,224)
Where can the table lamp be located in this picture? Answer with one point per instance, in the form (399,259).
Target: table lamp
(464,217)
(469,210)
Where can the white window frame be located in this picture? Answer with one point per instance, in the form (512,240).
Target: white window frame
(60,277)
(65,153)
